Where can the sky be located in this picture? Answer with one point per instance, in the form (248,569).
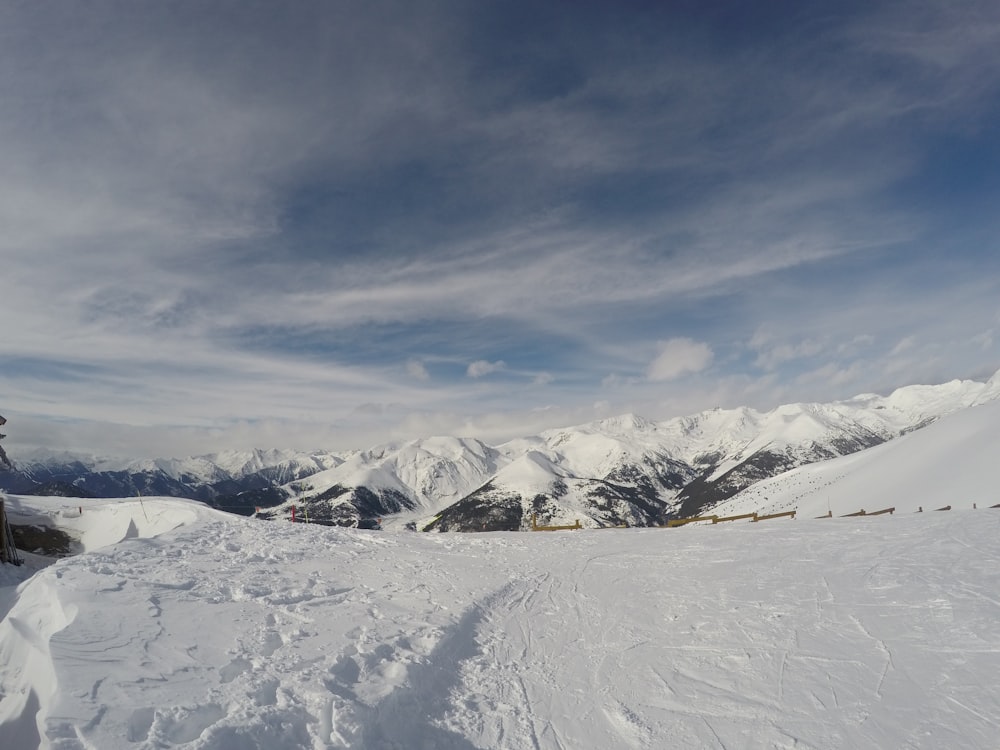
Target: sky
(327,225)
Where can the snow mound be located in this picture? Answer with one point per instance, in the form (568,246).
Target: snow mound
(41,606)
(100,523)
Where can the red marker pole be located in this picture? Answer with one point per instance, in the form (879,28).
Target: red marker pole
(293,514)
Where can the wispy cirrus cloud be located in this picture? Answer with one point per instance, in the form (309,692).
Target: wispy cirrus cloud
(295,210)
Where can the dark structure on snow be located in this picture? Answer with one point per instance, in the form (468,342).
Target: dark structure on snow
(4,461)
(8,552)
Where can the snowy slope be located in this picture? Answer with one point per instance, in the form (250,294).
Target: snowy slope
(225,633)
(764,445)
(991,389)
(951,462)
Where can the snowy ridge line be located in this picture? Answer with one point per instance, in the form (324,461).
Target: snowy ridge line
(620,470)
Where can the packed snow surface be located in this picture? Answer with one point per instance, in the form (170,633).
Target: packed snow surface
(184,627)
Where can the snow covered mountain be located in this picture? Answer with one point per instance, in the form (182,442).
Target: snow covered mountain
(619,471)
(418,476)
(233,480)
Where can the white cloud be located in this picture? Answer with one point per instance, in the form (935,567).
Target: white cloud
(832,374)
(677,357)
(543,378)
(984,340)
(774,348)
(416,369)
(614,380)
(856,344)
(904,345)
(482,367)
(777,355)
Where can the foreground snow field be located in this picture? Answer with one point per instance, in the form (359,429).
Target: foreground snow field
(201,630)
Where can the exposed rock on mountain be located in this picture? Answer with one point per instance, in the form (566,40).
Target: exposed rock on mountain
(343,506)
(58,489)
(486,509)
(4,461)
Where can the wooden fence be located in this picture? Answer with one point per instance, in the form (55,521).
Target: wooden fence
(674,523)
(536,527)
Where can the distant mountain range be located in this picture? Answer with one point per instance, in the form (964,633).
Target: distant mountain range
(233,480)
(619,471)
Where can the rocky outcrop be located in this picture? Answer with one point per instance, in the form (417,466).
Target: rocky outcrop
(4,461)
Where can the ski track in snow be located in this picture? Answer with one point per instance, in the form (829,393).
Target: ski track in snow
(228,633)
